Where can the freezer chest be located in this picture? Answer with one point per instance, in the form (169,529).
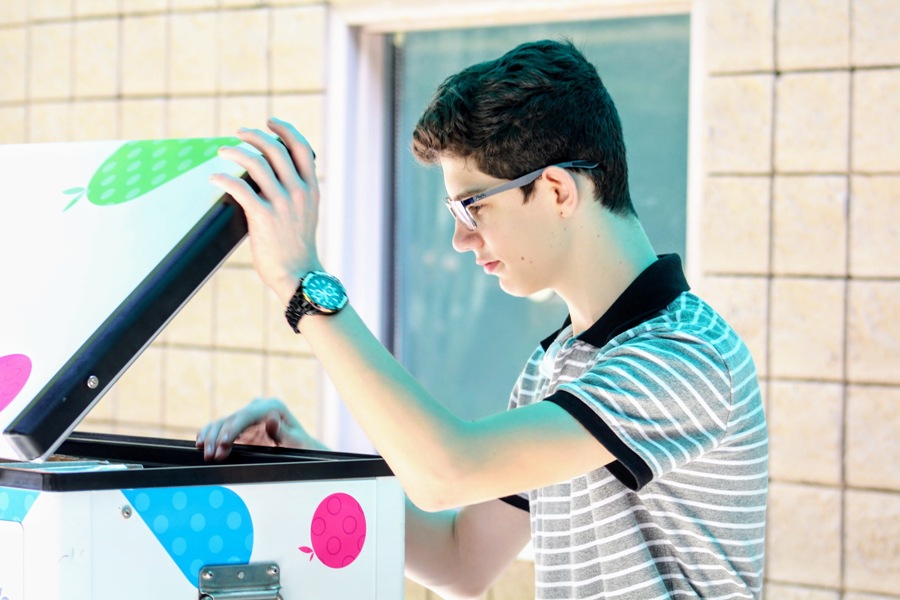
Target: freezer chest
(101,244)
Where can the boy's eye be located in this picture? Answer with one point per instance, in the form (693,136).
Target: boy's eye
(474,208)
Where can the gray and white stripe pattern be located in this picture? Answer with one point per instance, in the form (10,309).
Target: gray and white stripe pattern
(681,513)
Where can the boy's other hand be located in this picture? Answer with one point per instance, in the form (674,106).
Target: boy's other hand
(263,422)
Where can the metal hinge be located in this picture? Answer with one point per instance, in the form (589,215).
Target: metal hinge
(259,581)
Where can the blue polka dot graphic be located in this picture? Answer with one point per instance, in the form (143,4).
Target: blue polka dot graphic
(197,526)
(15,503)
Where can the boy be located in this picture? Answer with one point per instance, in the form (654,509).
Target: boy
(635,451)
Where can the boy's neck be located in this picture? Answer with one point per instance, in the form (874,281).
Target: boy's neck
(609,258)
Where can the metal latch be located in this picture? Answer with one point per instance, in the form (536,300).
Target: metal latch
(259,581)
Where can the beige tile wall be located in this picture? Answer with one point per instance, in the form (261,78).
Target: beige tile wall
(800,242)
(802,110)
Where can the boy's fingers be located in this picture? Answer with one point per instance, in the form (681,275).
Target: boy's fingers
(209,440)
(238,189)
(274,427)
(259,170)
(300,151)
(279,172)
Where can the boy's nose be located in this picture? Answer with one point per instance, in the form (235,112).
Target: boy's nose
(463,239)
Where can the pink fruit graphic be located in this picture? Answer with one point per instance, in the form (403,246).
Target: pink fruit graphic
(338,531)
(14,372)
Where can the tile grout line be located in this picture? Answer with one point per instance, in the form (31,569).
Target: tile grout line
(842,532)
(770,284)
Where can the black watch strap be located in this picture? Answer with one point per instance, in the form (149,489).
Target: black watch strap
(297,308)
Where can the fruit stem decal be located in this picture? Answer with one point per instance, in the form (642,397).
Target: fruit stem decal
(78,192)
(139,167)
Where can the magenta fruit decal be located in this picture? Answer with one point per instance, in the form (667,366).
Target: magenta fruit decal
(338,531)
(14,372)
(139,167)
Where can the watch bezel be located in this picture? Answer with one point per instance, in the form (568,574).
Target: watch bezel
(335,283)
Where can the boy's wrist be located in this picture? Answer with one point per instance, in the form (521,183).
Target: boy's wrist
(286,288)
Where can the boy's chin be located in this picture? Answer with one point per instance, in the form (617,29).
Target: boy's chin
(517,290)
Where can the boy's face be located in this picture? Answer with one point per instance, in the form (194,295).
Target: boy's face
(517,242)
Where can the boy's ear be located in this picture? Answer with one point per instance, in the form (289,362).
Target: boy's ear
(566,188)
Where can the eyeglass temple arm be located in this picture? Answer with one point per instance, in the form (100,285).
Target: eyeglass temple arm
(578,164)
(526,179)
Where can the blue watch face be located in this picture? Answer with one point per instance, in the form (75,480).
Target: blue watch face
(324,291)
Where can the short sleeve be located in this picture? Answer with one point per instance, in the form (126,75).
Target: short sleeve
(656,403)
(519,501)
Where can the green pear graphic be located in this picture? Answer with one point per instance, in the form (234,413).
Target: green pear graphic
(141,166)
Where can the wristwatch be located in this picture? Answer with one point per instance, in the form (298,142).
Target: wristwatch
(318,294)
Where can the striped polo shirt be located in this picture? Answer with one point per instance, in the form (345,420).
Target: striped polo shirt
(671,391)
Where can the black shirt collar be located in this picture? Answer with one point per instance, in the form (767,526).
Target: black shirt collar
(651,291)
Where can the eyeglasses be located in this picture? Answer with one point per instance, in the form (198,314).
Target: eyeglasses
(460,208)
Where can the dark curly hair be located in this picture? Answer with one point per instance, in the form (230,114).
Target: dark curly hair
(540,104)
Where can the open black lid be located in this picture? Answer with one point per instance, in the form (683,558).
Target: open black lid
(90,275)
